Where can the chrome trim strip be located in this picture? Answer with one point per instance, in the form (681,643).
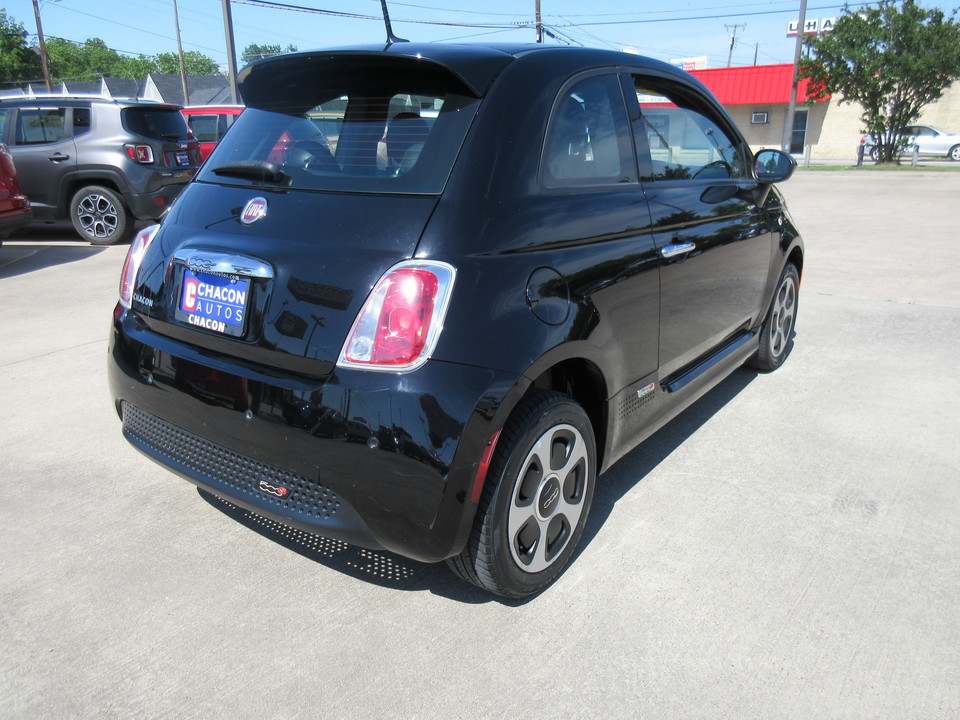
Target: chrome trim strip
(225,263)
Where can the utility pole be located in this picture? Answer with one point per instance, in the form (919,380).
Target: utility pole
(183,69)
(231,53)
(733,40)
(43,47)
(539,24)
(792,107)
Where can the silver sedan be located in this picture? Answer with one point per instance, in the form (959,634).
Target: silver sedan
(928,140)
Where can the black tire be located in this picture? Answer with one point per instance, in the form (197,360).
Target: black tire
(954,153)
(875,153)
(99,215)
(529,521)
(776,335)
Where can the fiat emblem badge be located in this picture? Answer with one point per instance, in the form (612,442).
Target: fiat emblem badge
(254,210)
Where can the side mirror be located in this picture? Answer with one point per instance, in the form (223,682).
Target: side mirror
(773,166)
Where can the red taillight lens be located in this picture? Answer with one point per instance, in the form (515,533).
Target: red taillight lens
(131,266)
(399,325)
(141,153)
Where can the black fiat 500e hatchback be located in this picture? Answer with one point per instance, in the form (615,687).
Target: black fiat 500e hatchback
(421,295)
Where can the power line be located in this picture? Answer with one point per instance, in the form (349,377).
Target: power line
(358,16)
(131,27)
(523,24)
(563,28)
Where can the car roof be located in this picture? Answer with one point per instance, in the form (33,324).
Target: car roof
(81,101)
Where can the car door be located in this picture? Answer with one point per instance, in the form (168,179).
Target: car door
(43,149)
(715,243)
(594,205)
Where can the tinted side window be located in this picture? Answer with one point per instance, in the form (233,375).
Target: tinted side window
(3,122)
(81,120)
(41,125)
(586,140)
(155,123)
(682,137)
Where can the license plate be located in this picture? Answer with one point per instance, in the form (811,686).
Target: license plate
(183,158)
(213,302)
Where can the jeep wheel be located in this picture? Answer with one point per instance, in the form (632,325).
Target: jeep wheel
(536,499)
(99,215)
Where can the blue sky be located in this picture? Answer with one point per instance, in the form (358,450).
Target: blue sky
(684,28)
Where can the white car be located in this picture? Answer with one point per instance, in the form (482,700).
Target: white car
(929,141)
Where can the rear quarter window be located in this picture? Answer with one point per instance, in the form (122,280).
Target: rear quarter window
(588,140)
(166,124)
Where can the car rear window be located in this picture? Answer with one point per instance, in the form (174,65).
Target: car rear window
(362,130)
(155,123)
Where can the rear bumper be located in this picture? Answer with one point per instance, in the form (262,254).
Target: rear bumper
(12,221)
(151,205)
(380,460)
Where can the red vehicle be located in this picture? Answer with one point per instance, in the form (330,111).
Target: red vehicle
(15,210)
(209,123)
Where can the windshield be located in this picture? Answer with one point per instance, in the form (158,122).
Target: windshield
(382,140)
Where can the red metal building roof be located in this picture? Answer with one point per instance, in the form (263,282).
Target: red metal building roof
(752,84)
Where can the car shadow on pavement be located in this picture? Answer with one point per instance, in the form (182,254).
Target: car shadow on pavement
(393,571)
(374,566)
(631,469)
(23,258)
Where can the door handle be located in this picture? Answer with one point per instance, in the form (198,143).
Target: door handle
(675,249)
(57,157)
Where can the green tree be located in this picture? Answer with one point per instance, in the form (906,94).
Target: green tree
(255,52)
(194,62)
(18,62)
(893,59)
(137,68)
(90,60)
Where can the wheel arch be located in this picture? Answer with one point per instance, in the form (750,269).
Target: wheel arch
(104,178)
(796,257)
(582,380)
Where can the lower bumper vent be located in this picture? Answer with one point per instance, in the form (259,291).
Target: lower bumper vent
(218,466)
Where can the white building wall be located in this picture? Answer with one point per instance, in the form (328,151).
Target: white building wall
(833,128)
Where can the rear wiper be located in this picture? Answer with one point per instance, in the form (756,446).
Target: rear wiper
(253,170)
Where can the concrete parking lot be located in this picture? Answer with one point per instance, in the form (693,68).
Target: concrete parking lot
(787,548)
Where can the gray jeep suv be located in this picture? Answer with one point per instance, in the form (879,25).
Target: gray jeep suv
(103,163)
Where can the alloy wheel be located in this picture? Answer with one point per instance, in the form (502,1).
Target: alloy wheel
(97,215)
(548,498)
(784,312)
